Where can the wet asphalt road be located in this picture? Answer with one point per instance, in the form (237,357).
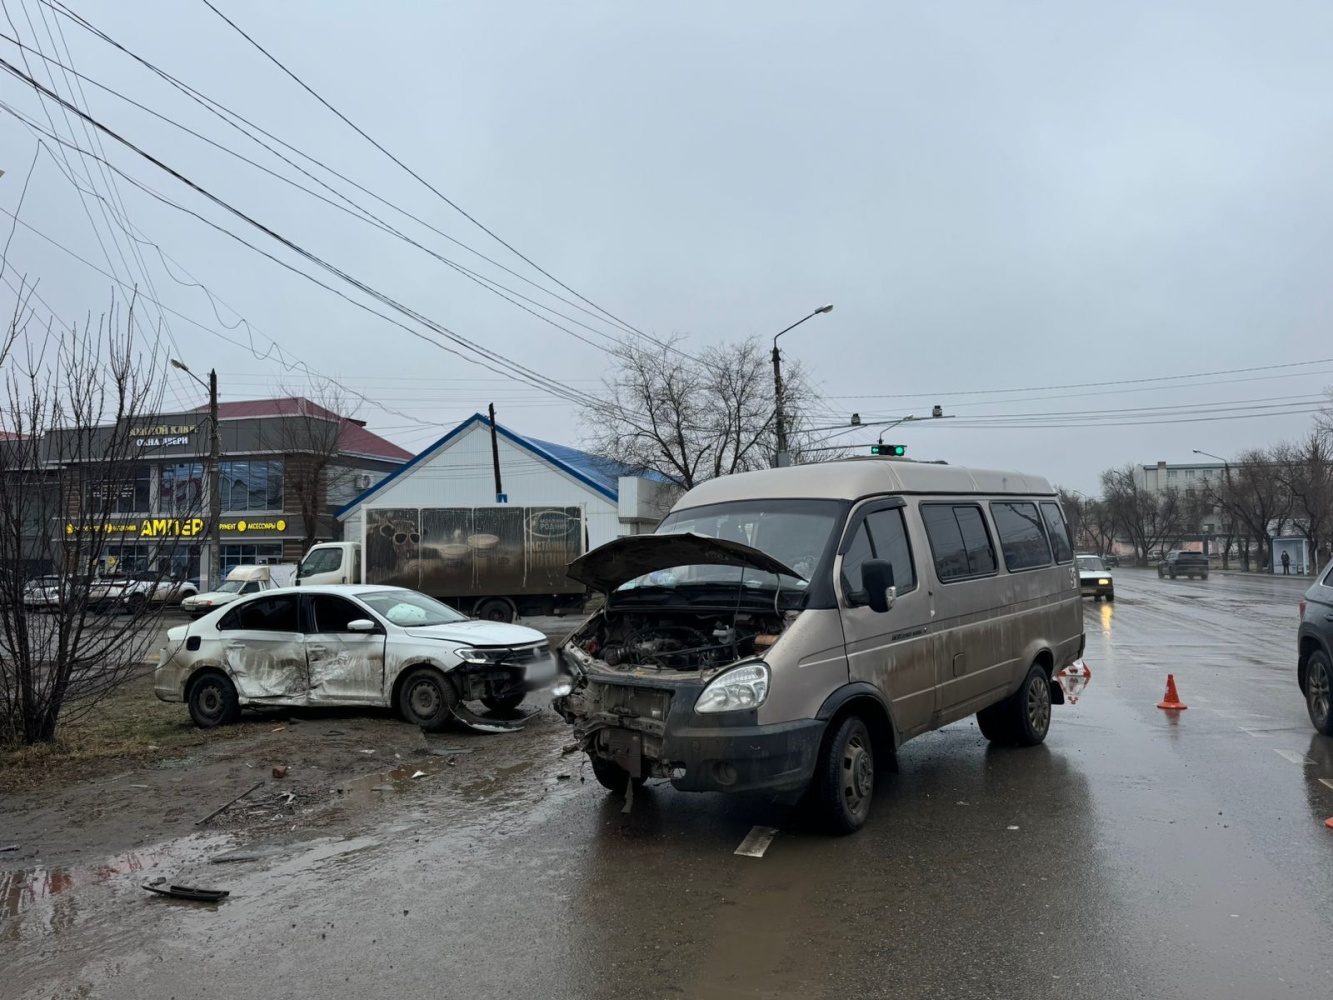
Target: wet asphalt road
(1136,853)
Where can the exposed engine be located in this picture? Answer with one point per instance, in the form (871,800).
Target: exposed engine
(676,641)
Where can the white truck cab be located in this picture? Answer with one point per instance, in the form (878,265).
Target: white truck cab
(330,563)
(241,582)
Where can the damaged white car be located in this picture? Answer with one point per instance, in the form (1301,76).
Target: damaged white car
(351,645)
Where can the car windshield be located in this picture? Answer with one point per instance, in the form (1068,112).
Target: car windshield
(1090,563)
(322,561)
(408,608)
(797,533)
(232,586)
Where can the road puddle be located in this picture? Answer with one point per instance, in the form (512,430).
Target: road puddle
(38,901)
(371,788)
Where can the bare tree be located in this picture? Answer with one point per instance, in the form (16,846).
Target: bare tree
(692,420)
(71,441)
(1256,496)
(1305,470)
(1148,518)
(310,434)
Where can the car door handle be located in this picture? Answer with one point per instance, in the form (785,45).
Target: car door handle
(316,649)
(235,645)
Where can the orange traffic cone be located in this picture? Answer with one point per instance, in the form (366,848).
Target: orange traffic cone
(1171,701)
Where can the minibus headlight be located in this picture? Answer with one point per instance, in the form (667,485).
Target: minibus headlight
(737,689)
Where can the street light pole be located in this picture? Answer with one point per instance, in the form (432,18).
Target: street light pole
(780,412)
(1226,474)
(214,548)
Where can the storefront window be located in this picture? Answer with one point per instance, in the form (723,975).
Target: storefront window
(263,554)
(126,492)
(250,486)
(181,489)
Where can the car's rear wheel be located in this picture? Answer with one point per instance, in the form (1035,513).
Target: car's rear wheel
(1319,691)
(136,603)
(1024,718)
(213,701)
(427,699)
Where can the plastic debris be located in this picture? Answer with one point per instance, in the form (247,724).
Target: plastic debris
(187,892)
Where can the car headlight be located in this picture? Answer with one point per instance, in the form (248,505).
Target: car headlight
(739,688)
(1103,583)
(483,655)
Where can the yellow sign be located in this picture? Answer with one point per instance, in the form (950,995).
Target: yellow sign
(165,527)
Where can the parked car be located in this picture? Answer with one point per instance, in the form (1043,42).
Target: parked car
(349,645)
(1314,662)
(1110,561)
(1188,564)
(148,588)
(47,592)
(1094,578)
(785,631)
(241,581)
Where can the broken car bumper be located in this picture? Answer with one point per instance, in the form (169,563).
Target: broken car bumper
(649,728)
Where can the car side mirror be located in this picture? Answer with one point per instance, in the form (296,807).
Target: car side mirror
(877,584)
(361,625)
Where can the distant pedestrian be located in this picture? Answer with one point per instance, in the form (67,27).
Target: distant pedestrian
(1286,563)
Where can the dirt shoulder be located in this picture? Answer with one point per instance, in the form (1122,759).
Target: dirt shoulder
(136,771)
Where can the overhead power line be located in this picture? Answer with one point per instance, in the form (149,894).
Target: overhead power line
(425,183)
(249,129)
(519,371)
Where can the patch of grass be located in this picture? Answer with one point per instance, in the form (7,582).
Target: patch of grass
(131,728)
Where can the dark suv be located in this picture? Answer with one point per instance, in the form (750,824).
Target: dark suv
(1190,564)
(1314,667)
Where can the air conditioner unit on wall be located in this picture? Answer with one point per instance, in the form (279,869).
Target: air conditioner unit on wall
(363,480)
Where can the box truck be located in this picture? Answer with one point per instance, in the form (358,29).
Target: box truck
(495,562)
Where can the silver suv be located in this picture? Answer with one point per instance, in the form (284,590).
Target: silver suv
(1314,670)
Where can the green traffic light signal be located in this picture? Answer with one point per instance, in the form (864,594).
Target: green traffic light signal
(896,450)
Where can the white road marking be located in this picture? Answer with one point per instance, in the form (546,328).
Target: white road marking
(1295,756)
(1255,733)
(1326,781)
(756,841)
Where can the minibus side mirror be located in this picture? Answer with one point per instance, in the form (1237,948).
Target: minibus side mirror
(877,584)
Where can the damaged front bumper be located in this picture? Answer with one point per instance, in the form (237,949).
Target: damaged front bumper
(645,722)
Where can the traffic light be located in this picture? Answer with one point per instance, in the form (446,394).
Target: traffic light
(896,450)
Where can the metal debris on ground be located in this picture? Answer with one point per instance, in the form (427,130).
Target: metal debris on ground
(480,725)
(419,774)
(629,798)
(9,847)
(280,772)
(756,841)
(187,892)
(277,729)
(449,751)
(228,805)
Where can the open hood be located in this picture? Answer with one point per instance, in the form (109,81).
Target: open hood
(605,568)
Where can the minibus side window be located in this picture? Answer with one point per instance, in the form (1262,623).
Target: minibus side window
(959,541)
(1058,530)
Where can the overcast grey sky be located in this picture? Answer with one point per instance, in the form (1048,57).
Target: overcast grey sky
(994,196)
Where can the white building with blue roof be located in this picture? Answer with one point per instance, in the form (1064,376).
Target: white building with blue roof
(458,470)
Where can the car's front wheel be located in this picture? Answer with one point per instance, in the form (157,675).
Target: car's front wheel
(213,701)
(844,781)
(1319,691)
(427,699)
(1110,596)
(612,776)
(503,705)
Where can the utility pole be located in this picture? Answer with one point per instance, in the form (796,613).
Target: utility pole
(214,548)
(782,458)
(495,458)
(214,481)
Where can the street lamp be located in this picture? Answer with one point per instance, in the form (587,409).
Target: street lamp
(782,458)
(214,471)
(1226,473)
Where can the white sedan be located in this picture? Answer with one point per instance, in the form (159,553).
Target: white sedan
(350,645)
